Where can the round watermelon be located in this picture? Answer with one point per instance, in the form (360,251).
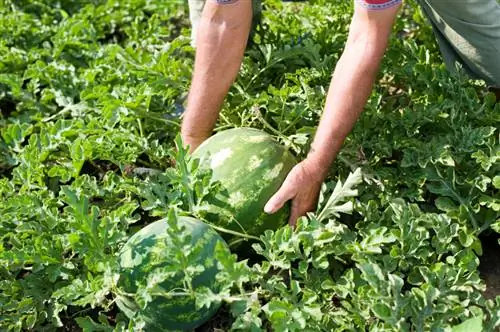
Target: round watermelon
(147,253)
(251,166)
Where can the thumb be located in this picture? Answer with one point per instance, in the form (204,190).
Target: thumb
(277,201)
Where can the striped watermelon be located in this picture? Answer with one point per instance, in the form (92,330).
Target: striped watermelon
(251,167)
(147,251)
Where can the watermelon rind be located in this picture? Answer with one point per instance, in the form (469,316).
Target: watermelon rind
(139,257)
(251,166)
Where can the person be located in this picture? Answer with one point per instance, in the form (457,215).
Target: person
(467,31)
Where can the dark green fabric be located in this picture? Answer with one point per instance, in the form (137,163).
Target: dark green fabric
(468,34)
(467,31)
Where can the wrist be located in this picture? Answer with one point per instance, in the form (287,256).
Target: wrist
(193,140)
(317,169)
(321,156)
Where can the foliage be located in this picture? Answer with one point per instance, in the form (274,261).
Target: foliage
(90,98)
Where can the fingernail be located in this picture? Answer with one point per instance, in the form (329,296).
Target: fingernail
(268,208)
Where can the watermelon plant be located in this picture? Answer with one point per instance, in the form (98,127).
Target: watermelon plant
(91,95)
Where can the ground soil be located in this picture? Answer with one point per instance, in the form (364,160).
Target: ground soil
(490,265)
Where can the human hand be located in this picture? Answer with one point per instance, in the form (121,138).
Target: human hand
(302,185)
(193,141)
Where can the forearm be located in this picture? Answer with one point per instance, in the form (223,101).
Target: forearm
(221,42)
(351,84)
(349,90)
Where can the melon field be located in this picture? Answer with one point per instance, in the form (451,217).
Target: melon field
(108,224)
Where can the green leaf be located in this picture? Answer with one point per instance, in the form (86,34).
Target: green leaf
(474,324)
(382,311)
(89,325)
(332,208)
(445,204)
(496,181)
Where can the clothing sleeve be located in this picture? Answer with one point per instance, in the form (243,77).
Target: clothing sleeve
(378,4)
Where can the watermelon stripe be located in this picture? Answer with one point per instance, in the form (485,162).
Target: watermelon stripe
(144,253)
(251,167)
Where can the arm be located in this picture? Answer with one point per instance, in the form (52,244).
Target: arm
(349,90)
(351,84)
(221,41)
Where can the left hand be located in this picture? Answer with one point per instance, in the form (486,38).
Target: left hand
(302,185)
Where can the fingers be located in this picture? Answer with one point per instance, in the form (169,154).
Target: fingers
(279,199)
(300,206)
(295,213)
(297,187)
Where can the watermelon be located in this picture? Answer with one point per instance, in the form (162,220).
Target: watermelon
(251,166)
(147,251)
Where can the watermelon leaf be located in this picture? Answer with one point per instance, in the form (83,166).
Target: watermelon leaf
(342,192)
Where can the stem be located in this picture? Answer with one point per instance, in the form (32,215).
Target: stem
(297,119)
(465,204)
(140,127)
(485,226)
(152,116)
(271,128)
(78,313)
(186,183)
(235,242)
(61,112)
(146,170)
(228,231)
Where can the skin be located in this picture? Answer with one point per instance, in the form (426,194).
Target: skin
(224,30)
(220,44)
